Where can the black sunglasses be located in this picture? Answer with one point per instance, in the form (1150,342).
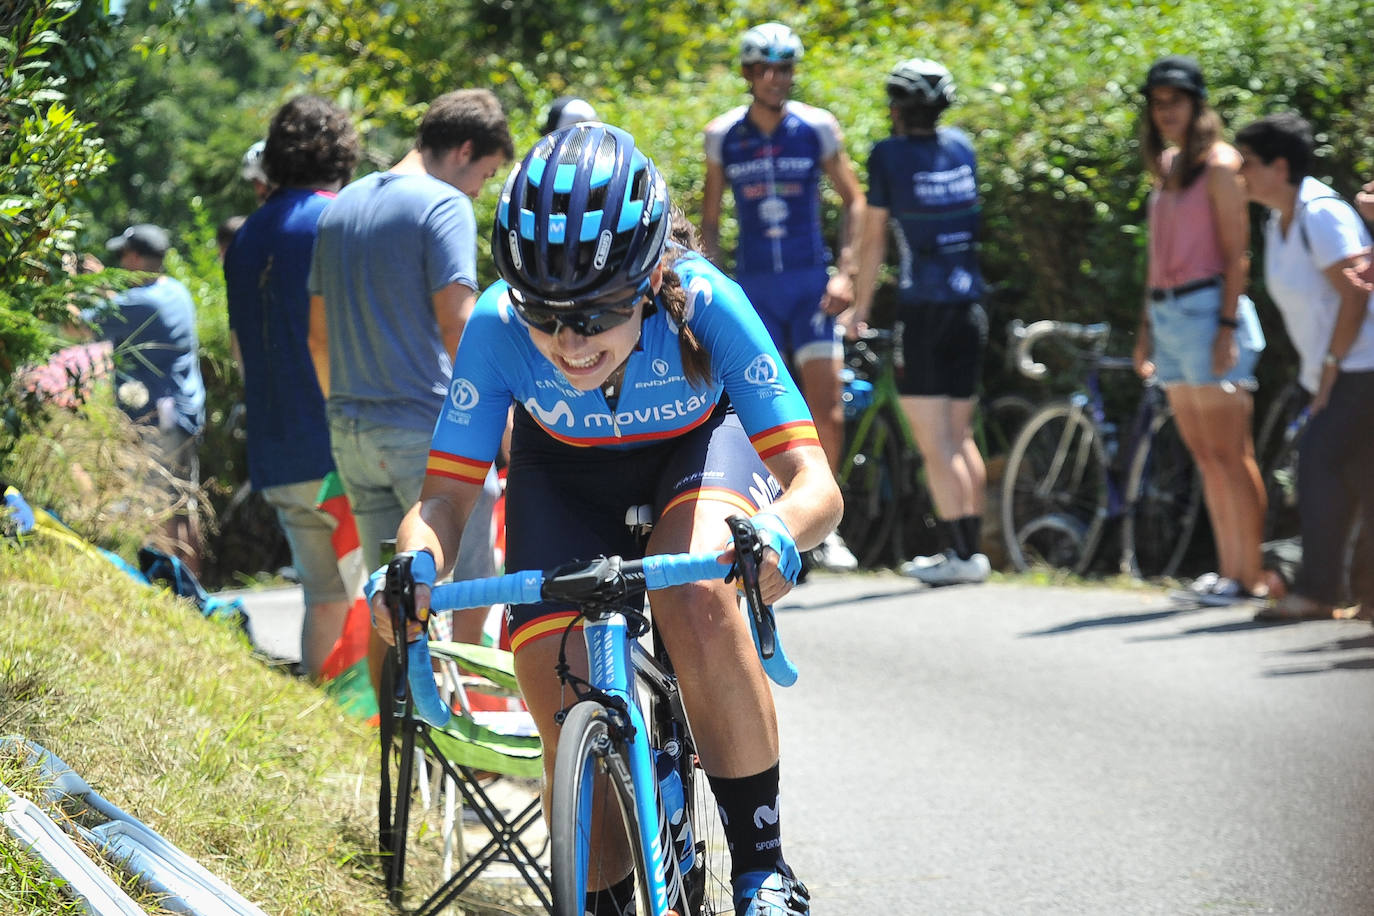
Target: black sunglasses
(587,322)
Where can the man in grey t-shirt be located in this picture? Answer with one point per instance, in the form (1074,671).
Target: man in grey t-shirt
(392,282)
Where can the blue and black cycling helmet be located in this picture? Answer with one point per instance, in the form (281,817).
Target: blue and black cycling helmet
(772,43)
(584,216)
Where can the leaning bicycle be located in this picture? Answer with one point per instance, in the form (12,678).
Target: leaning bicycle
(889,516)
(1070,475)
(626,755)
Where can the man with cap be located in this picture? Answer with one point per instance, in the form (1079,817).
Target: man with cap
(152,326)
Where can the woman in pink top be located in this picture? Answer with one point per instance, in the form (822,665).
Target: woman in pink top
(1199,335)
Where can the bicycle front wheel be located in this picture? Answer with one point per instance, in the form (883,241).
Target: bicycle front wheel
(1054,491)
(1163,500)
(593,803)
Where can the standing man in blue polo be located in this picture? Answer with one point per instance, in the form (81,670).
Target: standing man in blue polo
(773,152)
(310,152)
(157,373)
(392,282)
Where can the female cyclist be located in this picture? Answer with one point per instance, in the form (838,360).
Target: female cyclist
(639,374)
(1199,334)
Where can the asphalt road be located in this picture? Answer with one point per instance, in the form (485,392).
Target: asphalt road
(1006,749)
(1014,749)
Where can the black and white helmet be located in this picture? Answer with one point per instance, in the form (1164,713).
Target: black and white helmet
(919,81)
(772,43)
(251,167)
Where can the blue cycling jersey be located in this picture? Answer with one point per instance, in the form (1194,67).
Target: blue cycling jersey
(775,179)
(929,186)
(500,366)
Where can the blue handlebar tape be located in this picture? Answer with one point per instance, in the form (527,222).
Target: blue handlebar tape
(423,691)
(667,569)
(512,588)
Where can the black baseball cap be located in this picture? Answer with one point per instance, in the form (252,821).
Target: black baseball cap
(143,238)
(1179,71)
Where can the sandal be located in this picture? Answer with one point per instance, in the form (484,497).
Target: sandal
(1292,608)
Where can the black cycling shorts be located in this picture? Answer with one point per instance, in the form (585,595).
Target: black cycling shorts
(567,502)
(943,344)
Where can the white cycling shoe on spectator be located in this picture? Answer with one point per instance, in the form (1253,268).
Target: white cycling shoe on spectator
(947,569)
(833,555)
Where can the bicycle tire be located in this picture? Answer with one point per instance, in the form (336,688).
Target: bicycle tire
(1276,450)
(1001,420)
(1054,491)
(878,487)
(586,747)
(1163,502)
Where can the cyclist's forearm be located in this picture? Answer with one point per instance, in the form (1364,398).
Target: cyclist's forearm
(810,506)
(872,251)
(436,522)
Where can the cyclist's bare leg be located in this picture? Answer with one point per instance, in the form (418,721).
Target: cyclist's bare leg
(820,385)
(1215,425)
(723,685)
(955,471)
(545,696)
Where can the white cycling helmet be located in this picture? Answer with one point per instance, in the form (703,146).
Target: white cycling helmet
(920,81)
(252,170)
(772,43)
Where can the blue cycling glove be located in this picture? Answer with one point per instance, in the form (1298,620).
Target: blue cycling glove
(422,572)
(774,534)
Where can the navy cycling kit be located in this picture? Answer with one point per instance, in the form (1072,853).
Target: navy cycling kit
(781,256)
(928,184)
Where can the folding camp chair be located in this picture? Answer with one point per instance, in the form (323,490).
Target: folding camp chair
(448,759)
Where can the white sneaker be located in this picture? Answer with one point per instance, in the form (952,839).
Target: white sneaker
(947,569)
(833,555)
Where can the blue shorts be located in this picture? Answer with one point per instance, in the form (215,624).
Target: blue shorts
(790,305)
(1183,328)
(566,502)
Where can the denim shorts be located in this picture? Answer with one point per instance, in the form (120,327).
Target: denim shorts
(310,532)
(1183,328)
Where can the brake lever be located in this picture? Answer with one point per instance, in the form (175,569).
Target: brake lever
(399,595)
(748,556)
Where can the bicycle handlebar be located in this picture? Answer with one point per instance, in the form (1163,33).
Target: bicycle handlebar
(1025,336)
(602,583)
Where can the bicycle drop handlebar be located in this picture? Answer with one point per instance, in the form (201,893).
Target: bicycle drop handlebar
(600,585)
(1025,336)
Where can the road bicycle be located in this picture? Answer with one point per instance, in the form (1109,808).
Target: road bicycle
(888,515)
(626,753)
(1276,450)
(1070,475)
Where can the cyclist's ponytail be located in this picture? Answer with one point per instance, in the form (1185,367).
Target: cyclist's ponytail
(696,362)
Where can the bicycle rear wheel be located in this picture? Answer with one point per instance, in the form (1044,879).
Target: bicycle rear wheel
(1163,501)
(880,491)
(1054,491)
(592,795)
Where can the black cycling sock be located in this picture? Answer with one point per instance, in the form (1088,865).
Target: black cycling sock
(614,900)
(952,533)
(973,532)
(749,813)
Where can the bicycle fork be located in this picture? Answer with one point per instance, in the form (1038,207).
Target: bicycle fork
(611,670)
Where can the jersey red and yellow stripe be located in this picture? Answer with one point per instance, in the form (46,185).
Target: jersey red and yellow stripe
(456,467)
(779,439)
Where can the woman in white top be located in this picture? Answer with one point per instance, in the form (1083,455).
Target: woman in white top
(1314,246)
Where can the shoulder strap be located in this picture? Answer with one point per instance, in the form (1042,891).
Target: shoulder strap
(1302,226)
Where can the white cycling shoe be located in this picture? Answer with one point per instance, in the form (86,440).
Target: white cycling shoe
(780,894)
(833,555)
(947,569)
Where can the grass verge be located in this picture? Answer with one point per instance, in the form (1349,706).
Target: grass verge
(256,775)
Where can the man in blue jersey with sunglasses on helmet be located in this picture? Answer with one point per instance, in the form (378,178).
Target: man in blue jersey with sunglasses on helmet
(772,153)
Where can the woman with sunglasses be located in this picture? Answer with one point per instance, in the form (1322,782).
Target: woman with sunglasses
(639,374)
